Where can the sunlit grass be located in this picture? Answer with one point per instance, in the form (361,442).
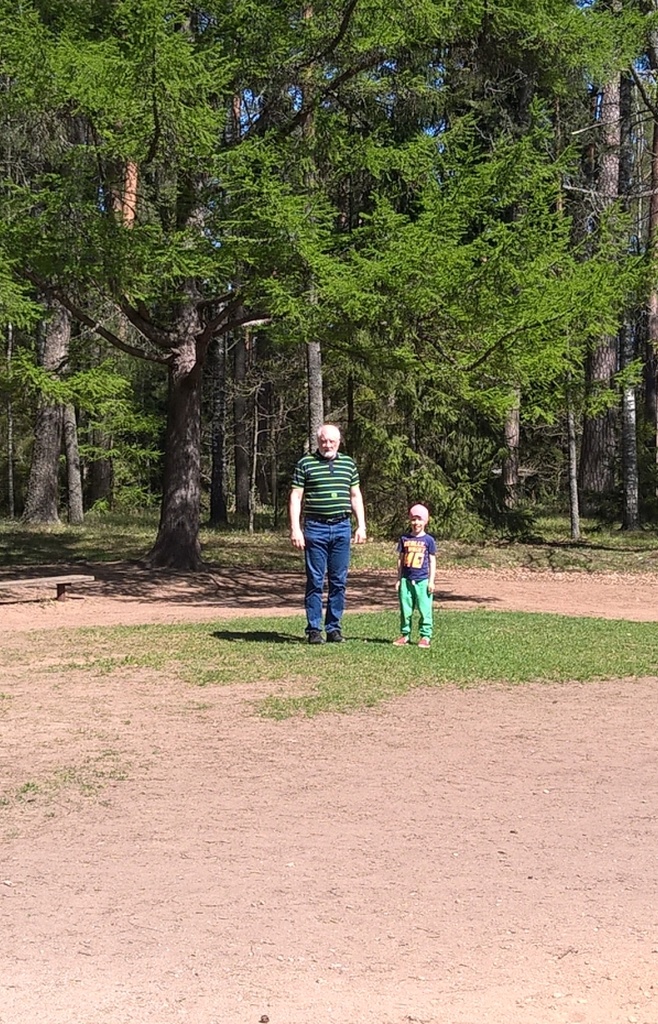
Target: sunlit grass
(469,648)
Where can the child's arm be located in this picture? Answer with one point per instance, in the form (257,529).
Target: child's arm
(400,564)
(430,580)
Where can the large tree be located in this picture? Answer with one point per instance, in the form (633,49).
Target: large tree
(139,98)
(375,181)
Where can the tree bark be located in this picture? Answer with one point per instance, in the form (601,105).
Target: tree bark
(101,470)
(511,460)
(630,475)
(11,504)
(574,504)
(73,472)
(177,543)
(218,509)
(241,431)
(651,368)
(42,501)
(254,465)
(629,460)
(599,442)
(315,392)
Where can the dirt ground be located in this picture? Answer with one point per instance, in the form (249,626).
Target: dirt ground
(487,856)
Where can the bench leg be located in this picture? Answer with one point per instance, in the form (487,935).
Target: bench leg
(61,591)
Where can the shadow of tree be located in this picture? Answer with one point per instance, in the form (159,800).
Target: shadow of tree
(260,590)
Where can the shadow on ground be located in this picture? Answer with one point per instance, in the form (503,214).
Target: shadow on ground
(259,590)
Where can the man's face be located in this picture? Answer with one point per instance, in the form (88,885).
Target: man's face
(328,442)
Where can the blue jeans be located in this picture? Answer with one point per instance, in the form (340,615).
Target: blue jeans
(327,553)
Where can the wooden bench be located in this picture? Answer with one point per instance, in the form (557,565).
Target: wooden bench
(61,582)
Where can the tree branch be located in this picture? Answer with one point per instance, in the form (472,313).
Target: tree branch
(367,61)
(499,343)
(648,102)
(95,325)
(159,338)
(338,38)
(214,325)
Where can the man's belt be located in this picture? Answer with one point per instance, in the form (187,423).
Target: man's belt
(327,520)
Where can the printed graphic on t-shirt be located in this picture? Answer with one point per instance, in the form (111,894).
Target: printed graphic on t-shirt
(414,554)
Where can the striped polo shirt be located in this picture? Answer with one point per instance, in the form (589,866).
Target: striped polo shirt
(326,483)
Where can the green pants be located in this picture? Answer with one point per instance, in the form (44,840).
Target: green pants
(414,595)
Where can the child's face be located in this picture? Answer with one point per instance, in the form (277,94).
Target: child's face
(417,524)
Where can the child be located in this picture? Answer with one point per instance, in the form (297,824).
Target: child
(416,572)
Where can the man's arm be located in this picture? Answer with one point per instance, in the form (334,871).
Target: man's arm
(356,499)
(295,516)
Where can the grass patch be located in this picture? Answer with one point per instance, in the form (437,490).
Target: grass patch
(87,779)
(121,538)
(469,648)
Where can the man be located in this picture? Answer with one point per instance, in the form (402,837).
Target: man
(327,485)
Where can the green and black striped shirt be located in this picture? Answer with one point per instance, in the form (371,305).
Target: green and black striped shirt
(326,483)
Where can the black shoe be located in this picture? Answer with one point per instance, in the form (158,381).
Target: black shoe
(335,637)
(315,636)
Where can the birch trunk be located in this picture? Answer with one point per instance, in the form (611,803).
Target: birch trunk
(73,472)
(574,505)
(511,460)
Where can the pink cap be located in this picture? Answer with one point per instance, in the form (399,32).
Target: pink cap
(419,511)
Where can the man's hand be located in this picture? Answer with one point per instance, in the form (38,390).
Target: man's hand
(360,535)
(295,515)
(297,539)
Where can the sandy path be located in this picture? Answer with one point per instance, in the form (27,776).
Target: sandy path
(479,857)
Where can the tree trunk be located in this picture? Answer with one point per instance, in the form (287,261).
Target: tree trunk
(279,427)
(265,413)
(629,460)
(254,466)
(511,460)
(74,475)
(218,475)
(630,476)
(574,506)
(101,471)
(241,431)
(42,500)
(41,504)
(599,443)
(315,392)
(177,543)
(11,505)
(652,246)
(651,395)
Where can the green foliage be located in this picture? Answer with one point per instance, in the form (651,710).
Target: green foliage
(387,180)
(16,304)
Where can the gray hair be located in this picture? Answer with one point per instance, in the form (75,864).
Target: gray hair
(332,426)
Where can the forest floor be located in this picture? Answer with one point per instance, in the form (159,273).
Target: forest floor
(478,856)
